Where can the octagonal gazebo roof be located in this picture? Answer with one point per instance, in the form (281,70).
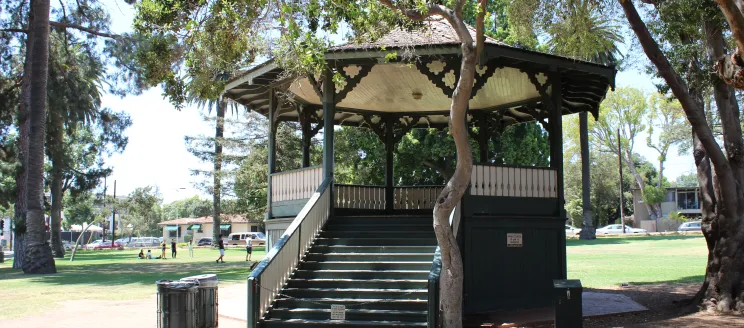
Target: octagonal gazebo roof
(419,84)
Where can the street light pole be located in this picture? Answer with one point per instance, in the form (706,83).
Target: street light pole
(113,220)
(620,163)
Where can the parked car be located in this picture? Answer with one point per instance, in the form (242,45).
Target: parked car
(571,230)
(241,238)
(613,229)
(107,245)
(690,226)
(206,241)
(144,242)
(93,244)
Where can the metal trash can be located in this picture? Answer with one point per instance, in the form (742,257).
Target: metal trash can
(176,304)
(206,300)
(567,298)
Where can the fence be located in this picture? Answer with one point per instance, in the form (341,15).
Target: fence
(508,181)
(296,184)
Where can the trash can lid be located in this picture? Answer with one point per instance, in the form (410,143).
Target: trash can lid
(563,283)
(202,277)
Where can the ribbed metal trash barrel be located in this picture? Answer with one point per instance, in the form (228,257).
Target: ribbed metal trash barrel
(206,300)
(176,304)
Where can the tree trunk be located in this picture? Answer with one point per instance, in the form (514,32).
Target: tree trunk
(217,174)
(588,229)
(725,232)
(38,253)
(56,215)
(452,268)
(653,211)
(19,242)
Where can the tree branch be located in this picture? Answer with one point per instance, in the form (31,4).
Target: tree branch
(735,20)
(84,29)
(417,15)
(480,36)
(14,30)
(677,85)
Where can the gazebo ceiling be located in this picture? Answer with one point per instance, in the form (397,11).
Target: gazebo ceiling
(418,90)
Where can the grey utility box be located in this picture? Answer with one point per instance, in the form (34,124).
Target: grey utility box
(206,300)
(567,301)
(176,304)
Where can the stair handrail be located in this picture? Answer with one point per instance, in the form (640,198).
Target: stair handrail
(271,274)
(432,313)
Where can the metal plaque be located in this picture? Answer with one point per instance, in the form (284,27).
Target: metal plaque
(513,240)
(338,312)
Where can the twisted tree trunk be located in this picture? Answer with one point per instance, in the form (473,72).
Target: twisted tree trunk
(38,253)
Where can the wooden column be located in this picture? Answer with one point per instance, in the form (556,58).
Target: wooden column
(306,137)
(329,109)
(587,227)
(483,137)
(556,156)
(272,148)
(389,146)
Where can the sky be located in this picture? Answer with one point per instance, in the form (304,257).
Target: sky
(156,154)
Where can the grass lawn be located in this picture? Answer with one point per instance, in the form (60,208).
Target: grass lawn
(111,275)
(120,275)
(612,261)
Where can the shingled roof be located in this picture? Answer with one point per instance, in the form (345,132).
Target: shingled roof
(436,31)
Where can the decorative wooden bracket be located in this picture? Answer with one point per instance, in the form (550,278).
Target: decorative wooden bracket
(482,78)
(542,89)
(436,70)
(403,125)
(307,116)
(353,74)
(539,116)
(378,128)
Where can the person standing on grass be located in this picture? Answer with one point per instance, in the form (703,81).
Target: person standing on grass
(191,248)
(162,250)
(248,249)
(222,251)
(173,248)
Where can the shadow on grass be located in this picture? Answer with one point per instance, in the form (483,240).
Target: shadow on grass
(613,240)
(146,272)
(684,280)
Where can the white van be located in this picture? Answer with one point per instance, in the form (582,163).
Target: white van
(240,238)
(144,242)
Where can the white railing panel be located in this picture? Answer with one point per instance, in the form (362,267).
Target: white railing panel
(293,185)
(504,181)
(359,197)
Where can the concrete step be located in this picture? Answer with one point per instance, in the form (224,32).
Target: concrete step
(369,257)
(372,249)
(356,303)
(337,323)
(372,294)
(338,226)
(378,234)
(362,274)
(381,241)
(395,219)
(351,314)
(358,283)
(379,266)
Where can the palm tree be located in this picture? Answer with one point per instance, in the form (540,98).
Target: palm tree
(38,253)
(74,99)
(582,32)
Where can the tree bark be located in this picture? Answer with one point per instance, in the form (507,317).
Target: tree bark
(19,242)
(56,216)
(725,231)
(730,68)
(38,253)
(217,174)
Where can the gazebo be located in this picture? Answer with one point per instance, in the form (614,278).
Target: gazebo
(339,244)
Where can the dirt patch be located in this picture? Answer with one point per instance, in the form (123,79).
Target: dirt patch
(666,309)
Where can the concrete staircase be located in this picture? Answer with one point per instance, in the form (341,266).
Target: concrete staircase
(377,266)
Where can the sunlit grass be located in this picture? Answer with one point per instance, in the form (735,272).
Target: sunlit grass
(111,275)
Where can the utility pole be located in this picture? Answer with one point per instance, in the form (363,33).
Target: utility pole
(113,220)
(104,206)
(620,164)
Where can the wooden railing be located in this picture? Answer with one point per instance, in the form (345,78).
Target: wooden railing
(268,278)
(508,181)
(295,184)
(360,197)
(415,197)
